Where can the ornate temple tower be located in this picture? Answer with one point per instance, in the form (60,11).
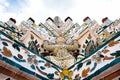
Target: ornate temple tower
(60,50)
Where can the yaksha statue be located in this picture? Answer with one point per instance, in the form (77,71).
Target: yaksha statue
(61,52)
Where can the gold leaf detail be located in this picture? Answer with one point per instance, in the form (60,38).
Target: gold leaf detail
(32,37)
(112,43)
(85,72)
(106,51)
(6,52)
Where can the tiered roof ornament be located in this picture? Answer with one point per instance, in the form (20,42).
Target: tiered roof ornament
(70,50)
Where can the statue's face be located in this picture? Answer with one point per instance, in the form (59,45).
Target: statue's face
(60,40)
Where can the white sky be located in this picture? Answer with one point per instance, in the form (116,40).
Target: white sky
(40,10)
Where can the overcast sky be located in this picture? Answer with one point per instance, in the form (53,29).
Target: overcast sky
(40,10)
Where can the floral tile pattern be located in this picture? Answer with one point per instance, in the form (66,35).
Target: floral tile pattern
(97,54)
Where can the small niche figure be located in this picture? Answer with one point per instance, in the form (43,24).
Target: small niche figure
(61,52)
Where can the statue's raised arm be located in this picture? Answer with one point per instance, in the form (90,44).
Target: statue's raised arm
(73,46)
(48,46)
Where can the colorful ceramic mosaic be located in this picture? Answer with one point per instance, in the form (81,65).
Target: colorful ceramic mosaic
(55,53)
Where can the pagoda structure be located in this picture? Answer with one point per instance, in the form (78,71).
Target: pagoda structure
(60,50)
